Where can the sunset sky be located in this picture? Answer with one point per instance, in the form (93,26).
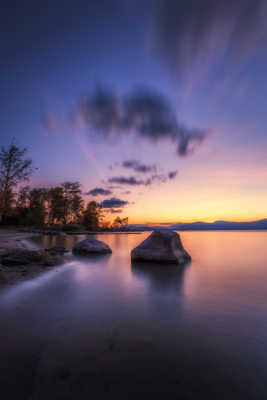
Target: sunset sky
(161,104)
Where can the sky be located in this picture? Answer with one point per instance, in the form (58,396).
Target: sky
(158,107)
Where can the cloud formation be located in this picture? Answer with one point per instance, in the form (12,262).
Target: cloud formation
(188,30)
(172,174)
(113,203)
(122,180)
(144,113)
(99,192)
(133,181)
(137,166)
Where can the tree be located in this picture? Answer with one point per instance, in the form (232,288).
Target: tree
(119,223)
(77,207)
(23,197)
(56,205)
(22,205)
(73,202)
(37,209)
(14,168)
(92,216)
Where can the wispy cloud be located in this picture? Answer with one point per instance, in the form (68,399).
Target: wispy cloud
(189,32)
(99,192)
(138,166)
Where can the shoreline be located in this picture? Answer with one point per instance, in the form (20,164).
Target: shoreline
(21,239)
(14,239)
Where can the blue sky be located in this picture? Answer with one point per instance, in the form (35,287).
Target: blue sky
(213,76)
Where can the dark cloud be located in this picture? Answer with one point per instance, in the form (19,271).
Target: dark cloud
(172,174)
(102,110)
(132,181)
(145,113)
(113,203)
(99,192)
(189,29)
(138,166)
(114,211)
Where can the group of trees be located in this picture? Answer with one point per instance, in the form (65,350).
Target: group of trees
(62,204)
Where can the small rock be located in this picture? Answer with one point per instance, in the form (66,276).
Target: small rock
(91,246)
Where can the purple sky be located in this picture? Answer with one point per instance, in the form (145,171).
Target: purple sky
(179,76)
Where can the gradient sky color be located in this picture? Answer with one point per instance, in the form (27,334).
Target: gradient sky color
(54,52)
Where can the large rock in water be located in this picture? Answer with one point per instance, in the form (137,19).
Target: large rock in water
(162,246)
(91,246)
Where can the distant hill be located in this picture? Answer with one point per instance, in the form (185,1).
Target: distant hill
(220,225)
(207,226)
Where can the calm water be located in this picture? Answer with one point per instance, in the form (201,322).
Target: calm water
(103,329)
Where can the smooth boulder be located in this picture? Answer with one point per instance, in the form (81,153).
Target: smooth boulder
(91,246)
(162,246)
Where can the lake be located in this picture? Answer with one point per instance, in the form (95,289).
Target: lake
(102,328)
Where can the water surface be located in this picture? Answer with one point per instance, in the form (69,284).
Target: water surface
(104,328)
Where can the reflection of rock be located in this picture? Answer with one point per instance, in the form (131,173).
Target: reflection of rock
(165,279)
(91,246)
(13,257)
(56,250)
(162,246)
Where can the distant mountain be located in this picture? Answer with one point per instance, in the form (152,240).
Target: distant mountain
(220,225)
(207,226)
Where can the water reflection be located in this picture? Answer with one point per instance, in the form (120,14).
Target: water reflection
(165,278)
(96,259)
(105,328)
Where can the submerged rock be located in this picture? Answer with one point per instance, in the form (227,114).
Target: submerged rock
(51,260)
(17,257)
(91,246)
(3,278)
(162,246)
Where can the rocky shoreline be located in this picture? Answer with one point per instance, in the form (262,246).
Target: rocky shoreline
(15,246)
